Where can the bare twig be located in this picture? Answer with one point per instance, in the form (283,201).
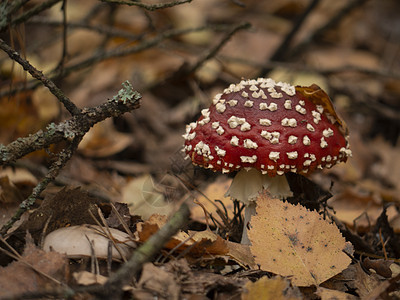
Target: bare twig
(281,51)
(69,129)
(14,55)
(29,13)
(99,57)
(99,28)
(150,7)
(63,157)
(214,50)
(334,21)
(61,64)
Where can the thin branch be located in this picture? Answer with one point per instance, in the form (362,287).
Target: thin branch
(282,50)
(99,57)
(99,28)
(63,157)
(14,55)
(213,51)
(29,13)
(150,7)
(67,130)
(334,21)
(61,63)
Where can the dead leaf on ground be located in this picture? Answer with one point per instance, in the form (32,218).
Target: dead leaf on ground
(380,266)
(145,197)
(328,294)
(155,282)
(300,244)
(18,277)
(360,210)
(276,288)
(104,140)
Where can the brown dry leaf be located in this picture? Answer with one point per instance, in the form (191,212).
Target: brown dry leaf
(356,208)
(317,95)
(103,140)
(155,282)
(365,283)
(204,244)
(328,294)
(380,266)
(276,288)
(300,243)
(18,277)
(15,185)
(18,117)
(145,198)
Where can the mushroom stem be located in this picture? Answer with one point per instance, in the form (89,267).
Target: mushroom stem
(247,185)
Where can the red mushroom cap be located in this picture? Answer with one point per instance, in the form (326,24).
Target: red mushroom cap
(269,126)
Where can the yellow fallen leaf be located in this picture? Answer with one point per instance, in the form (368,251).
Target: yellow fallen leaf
(292,241)
(270,289)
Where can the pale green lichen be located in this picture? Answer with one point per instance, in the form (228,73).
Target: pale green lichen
(126,94)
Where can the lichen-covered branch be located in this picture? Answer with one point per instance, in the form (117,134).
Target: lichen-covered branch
(78,125)
(62,158)
(71,130)
(150,7)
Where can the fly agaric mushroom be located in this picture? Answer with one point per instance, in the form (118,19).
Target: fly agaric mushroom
(264,129)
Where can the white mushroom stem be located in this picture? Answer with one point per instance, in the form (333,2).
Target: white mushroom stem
(247,185)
